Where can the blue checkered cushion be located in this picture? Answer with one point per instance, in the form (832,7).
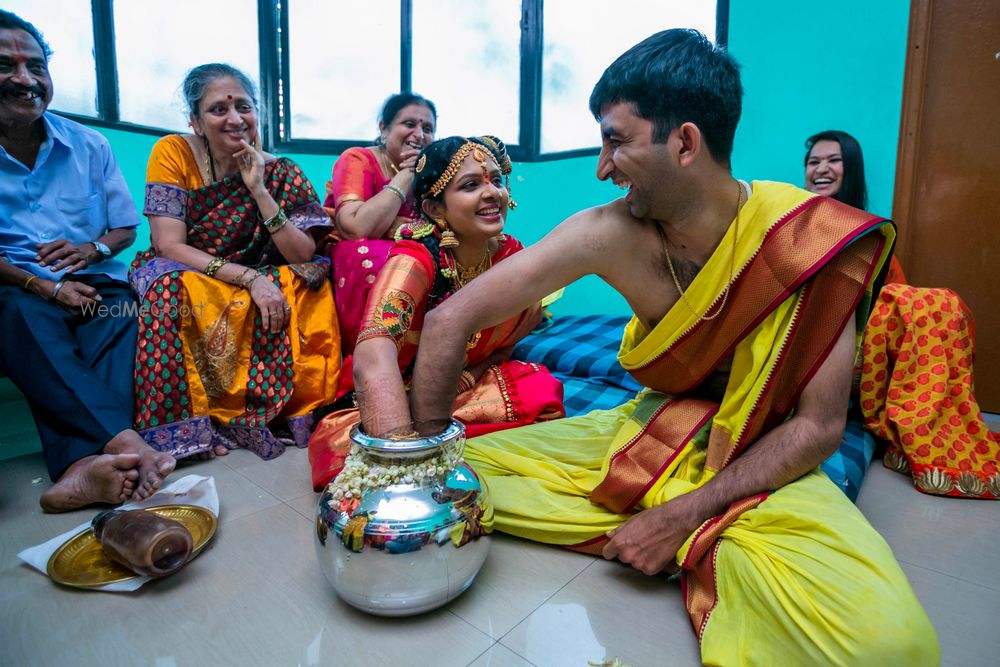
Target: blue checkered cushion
(582,351)
(581,395)
(583,347)
(848,465)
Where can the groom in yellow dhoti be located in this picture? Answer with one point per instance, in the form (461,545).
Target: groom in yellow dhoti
(745,332)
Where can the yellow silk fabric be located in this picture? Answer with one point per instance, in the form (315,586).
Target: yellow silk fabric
(172,162)
(221,321)
(541,476)
(802,579)
(756,354)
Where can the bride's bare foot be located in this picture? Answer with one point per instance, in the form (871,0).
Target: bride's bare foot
(153,465)
(217,450)
(99,478)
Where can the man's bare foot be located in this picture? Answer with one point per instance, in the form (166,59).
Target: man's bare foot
(217,450)
(99,478)
(153,465)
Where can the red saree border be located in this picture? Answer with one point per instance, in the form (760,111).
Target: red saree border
(728,329)
(700,592)
(768,236)
(709,531)
(811,347)
(635,467)
(851,312)
(593,546)
(839,279)
(699,586)
(946,481)
(418,252)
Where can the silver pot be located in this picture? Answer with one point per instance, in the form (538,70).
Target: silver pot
(412,544)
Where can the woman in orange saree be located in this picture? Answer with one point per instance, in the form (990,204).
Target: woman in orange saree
(462,188)
(235,344)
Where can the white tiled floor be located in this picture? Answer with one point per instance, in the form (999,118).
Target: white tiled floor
(257,596)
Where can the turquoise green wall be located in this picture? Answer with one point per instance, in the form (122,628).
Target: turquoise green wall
(807,69)
(132,152)
(546,193)
(549,192)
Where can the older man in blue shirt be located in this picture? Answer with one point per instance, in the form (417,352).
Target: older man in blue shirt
(69,322)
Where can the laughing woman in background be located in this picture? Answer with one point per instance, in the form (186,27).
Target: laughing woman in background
(835,167)
(371,195)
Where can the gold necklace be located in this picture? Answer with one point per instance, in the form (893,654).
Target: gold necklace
(732,262)
(464,275)
(390,167)
(209,164)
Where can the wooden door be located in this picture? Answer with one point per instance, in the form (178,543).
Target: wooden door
(947,198)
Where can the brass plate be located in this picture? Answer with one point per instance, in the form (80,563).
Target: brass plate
(81,561)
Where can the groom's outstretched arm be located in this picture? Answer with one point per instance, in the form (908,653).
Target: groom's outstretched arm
(564,255)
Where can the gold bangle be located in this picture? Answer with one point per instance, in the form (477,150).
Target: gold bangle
(403,436)
(467,382)
(375,331)
(242,279)
(28,281)
(214,265)
(343,199)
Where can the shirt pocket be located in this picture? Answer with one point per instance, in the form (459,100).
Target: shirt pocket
(87,212)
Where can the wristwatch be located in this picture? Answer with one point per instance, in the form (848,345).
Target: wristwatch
(103,250)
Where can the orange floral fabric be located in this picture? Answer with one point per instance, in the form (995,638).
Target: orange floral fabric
(917,393)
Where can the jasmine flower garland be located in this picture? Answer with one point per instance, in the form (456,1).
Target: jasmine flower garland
(363,473)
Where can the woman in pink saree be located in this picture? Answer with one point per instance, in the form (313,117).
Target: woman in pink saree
(369,197)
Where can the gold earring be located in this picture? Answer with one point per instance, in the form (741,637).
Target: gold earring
(448,238)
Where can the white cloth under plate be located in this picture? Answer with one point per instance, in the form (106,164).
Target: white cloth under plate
(188,490)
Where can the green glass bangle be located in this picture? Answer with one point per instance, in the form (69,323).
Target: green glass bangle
(276,222)
(214,265)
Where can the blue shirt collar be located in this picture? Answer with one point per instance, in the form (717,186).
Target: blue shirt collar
(54,130)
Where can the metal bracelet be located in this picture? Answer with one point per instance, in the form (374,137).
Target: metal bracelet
(243,279)
(247,284)
(399,193)
(467,381)
(55,292)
